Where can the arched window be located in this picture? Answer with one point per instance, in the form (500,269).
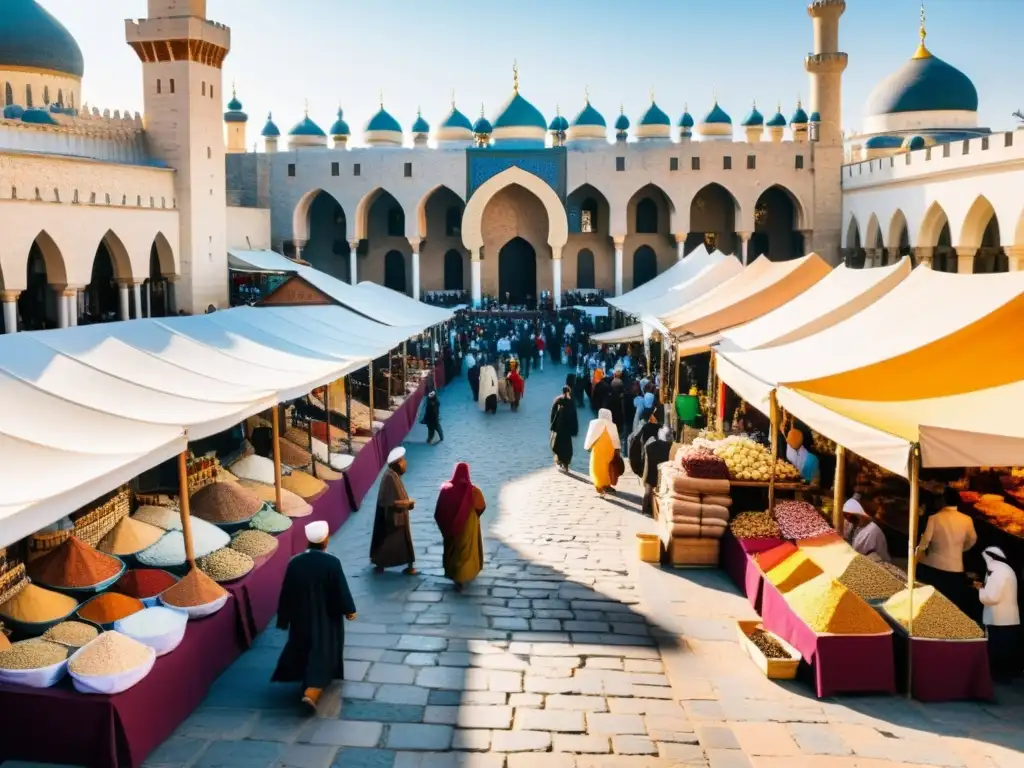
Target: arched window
(588,215)
(453,279)
(8,95)
(396,222)
(28,97)
(585,269)
(394,271)
(46,95)
(647,217)
(645,265)
(453,222)
(60,96)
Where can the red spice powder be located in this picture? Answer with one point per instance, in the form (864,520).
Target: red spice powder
(74,564)
(771,558)
(144,582)
(109,607)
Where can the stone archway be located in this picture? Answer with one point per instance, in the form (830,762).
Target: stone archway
(645,265)
(713,216)
(776,225)
(327,246)
(454,277)
(394,271)
(38,303)
(517,273)
(473,216)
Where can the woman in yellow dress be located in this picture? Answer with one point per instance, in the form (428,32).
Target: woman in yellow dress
(603,443)
(459,506)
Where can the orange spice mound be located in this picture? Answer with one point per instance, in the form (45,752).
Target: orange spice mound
(793,571)
(772,557)
(109,607)
(74,564)
(196,588)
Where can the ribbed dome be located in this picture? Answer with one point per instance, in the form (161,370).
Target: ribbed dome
(558,123)
(717,116)
(383,121)
(519,113)
(925,83)
(31,38)
(456,119)
(778,120)
(655,116)
(340,127)
(306,127)
(482,125)
(590,116)
(754,119)
(799,117)
(235,113)
(420,125)
(270,130)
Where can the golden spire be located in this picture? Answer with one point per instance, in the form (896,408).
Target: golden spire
(799,102)
(586,94)
(558,110)
(234,95)
(381,94)
(922,52)
(307,108)
(652,94)
(453,99)
(481,109)
(622,108)
(515,75)
(686,106)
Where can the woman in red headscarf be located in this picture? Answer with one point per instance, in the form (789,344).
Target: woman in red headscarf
(515,381)
(457,515)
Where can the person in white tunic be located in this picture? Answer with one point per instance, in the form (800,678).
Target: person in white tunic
(488,399)
(947,535)
(1001,616)
(865,535)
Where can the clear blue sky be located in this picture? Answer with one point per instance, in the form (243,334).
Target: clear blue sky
(416,52)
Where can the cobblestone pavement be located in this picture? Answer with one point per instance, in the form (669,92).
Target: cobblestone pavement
(565,653)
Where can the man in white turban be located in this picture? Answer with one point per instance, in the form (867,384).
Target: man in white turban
(314,599)
(391,543)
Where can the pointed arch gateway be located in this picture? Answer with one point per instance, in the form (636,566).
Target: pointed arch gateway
(472,217)
(45,267)
(714,212)
(777,225)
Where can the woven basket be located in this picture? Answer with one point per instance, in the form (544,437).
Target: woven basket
(41,543)
(201,472)
(12,582)
(96,523)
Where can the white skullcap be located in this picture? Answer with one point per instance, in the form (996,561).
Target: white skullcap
(853,507)
(396,454)
(316,532)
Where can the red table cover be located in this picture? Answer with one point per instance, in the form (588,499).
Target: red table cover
(738,562)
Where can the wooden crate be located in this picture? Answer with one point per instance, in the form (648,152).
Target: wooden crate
(684,552)
(773,669)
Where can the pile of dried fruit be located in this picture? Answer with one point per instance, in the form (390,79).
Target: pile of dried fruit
(755,525)
(800,520)
(768,645)
(935,616)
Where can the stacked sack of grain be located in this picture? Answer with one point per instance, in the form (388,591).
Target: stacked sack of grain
(693,506)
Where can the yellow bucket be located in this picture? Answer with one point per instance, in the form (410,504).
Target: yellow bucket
(648,547)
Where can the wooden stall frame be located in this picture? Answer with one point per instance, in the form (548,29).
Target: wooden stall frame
(912,523)
(186,519)
(275,421)
(327,412)
(348,411)
(839,488)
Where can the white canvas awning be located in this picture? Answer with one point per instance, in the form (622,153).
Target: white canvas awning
(633,302)
(260,261)
(624,335)
(402,309)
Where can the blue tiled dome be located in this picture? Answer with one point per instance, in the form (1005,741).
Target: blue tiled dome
(340,127)
(38,116)
(590,116)
(778,120)
(482,125)
(31,38)
(13,112)
(717,116)
(815,117)
(306,127)
(456,119)
(655,116)
(383,121)
(519,113)
(558,123)
(915,142)
(799,117)
(883,142)
(235,113)
(622,123)
(686,121)
(270,130)
(420,125)
(926,83)
(754,119)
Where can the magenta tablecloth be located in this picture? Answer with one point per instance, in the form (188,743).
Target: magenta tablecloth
(439,380)
(59,725)
(945,670)
(738,562)
(365,467)
(256,595)
(840,663)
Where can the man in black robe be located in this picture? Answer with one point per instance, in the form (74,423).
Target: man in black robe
(474,379)
(656,452)
(432,418)
(314,599)
(564,427)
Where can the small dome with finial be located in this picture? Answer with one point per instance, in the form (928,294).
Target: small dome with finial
(456,119)
(622,122)
(420,125)
(270,129)
(654,123)
(307,133)
(686,121)
(815,117)
(482,126)
(800,116)
(558,123)
(716,124)
(383,129)
(340,127)
(778,120)
(588,124)
(235,113)
(455,126)
(755,119)
(655,116)
(518,120)
(589,116)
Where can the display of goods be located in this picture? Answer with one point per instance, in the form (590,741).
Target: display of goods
(269,521)
(700,462)
(768,645)
(821,445)
(144,582)
(258,468)
(35,605)
(74,565)
(151,622)
(772,557)
(755,525)
(935,616)
(253,543)
(32,654)
(868,579)
(1005,516)
(293,455)
(323,472)
(338,436)
(195,588)
(970,497)
(827,607)
(710,435)
(225,564)
(96,521)
(303,484)
(109,607)
(170,550)
(795,570)
(748,460)
(830,540)
(4,642)
(800,520)
(73,634)
(299,437)
(12,581)
(224,503)
(898,572)
(129,536)
(291,503)
(168,518)
(110,654)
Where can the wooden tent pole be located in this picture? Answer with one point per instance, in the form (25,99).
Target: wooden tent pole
(275,421)
(327,410)
(676,364)
(839,490)
(186,519)
(915,496)
(373,415)
(348,411)
(774,416)
(405,368)
(309,434)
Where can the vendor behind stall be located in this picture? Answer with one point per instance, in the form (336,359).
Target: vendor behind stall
(864,534)
(798,455)
(1001,616)
(948,534)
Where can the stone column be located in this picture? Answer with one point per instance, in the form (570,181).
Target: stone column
(353,256)
(137,294)
(923,256)
(475,257)
(556,275)
(1015,255)
(415,243)
(681,246)
(149,298)
(122,290)
(965,260)
(10,301)
(744,246)
(62,305)
(299,245)
(170,299)
(70,298)
(870,256)
(620,241)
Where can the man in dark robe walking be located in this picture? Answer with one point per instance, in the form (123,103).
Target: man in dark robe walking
(564,427)
(314,599)
(391,543)
(432,418)
(474,379)
(656,452)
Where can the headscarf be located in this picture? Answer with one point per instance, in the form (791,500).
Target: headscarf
(455,502)
(602,424)
(995,554)
(598,375)
(649,400)
(853,506)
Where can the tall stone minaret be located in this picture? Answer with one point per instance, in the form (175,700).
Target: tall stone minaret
(182,53)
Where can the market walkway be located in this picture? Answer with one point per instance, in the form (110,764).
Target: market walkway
(552,649)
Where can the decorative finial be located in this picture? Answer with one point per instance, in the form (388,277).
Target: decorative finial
(922,52)
(419,112)
(453,99)
(714,95)
(270,116)
(481,109)
(686,106)
(778,106)
(622,109)
(586,94)
(234,95)
(799,102)
(515,75)
(558,110)
(652,94)
(753,103)
(381,93)
(306,108)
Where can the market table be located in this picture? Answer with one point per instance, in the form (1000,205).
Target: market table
(944,670)
(257,593)
(738,562)
(60,725)
(839,663)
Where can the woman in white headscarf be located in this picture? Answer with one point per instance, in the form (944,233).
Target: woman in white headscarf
(1001,615)
(488,399)
(605,460)
(865,535)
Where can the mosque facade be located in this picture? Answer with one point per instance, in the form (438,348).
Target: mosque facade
(111,215)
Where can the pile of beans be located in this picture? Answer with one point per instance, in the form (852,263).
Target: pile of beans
(768,645)
(935,617)
(225,564)
(800,520)
(32,654)
(869,579)
(110,654)
(253,543)
(755,525)
(73,634)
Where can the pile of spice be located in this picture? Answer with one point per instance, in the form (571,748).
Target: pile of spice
(253,543)
(935,615)
(109,607)
(144,582)
(294,456)
(74,565)
(4,642)
(32,654)
(792,572)
(258,468)
(195,589)
(224,503)
(170,550)
(35,605)
(325,473)
(110,654)
(854,571)
(269,521)
(225,564)
(73,634)
(755,525)
(152,622)
(167,518)
(768,645)
(800,520)
(770,558)
(304,484)
(129,536)
(827,607)
(292,504)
